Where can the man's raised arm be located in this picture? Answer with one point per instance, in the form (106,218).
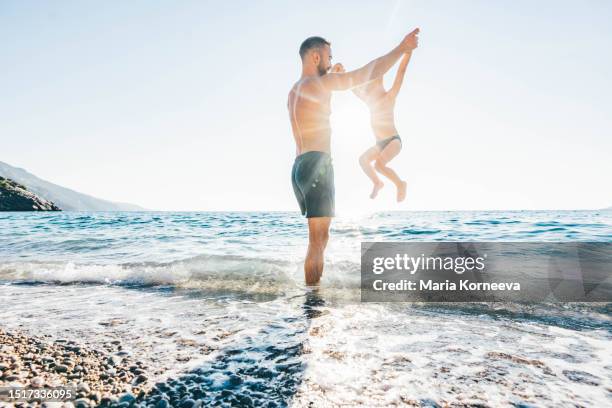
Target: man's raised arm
(374,69)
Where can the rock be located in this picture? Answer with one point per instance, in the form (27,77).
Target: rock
(114,360)
(61,368)
(37,382)
(140,379)
(16,197)
(83,387)
(234,380)
(245,400)
(108,400)
(197,392)
(127,397)
(82,403)
(95,397)
(582,377)
(188,403)
(162,403)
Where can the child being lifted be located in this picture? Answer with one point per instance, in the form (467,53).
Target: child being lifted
(388,143)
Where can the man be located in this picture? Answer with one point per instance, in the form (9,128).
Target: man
(309,110)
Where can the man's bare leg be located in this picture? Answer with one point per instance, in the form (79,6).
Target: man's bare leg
(365,161)
(318,235)
(385,157)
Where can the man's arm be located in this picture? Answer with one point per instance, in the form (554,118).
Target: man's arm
(374,69)
(339,69)
(399,76)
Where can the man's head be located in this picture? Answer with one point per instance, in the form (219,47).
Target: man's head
(316,51)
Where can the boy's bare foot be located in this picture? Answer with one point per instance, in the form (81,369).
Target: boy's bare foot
(375,189)
(401,192)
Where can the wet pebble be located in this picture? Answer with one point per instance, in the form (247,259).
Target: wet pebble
(162,403)
(82,403)
(127,397)
(140,379)
(581,377)
(188,403)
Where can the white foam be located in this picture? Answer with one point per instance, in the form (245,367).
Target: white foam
(222,272)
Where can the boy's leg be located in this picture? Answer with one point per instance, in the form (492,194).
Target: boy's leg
(365,161)
(385,157)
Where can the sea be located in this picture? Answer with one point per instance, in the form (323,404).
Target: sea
(221,296)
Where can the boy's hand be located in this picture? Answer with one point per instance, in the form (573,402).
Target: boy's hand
(338,69)
(411,41)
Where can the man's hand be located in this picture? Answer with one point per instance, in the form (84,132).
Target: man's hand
(338,69)
(411,41)
(338,80)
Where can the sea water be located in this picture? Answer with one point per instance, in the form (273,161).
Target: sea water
(219,296)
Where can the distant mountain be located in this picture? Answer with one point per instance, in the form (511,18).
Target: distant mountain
(64,198)
(16,197)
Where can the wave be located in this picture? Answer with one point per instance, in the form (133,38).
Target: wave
(209,272)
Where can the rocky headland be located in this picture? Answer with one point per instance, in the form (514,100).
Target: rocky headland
(16,197)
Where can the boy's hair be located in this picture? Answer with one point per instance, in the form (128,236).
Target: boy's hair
(310,43)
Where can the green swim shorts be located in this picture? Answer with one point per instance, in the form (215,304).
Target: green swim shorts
(312,177)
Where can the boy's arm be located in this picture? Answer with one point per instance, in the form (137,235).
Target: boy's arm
(399,76)
(336,81)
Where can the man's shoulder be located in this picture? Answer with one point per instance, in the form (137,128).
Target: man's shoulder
(311,86)
(311,82)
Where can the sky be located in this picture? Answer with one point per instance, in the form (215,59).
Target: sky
(181,105)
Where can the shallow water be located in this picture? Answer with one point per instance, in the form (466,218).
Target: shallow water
(215,302)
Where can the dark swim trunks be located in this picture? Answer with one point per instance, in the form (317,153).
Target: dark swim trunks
(313,184)
(383,143)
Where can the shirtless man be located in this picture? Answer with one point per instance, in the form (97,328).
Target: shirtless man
(312,175)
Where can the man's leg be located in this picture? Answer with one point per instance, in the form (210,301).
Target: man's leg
(318,234)
(365,161)
(385,157)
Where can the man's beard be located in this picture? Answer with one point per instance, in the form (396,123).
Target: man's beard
(322,70)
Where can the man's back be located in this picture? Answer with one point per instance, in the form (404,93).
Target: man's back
(309,111)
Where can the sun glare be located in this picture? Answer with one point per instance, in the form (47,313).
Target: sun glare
(352,135)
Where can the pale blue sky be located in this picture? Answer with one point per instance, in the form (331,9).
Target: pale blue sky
(181,105)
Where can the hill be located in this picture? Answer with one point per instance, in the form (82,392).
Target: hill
(64,198)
